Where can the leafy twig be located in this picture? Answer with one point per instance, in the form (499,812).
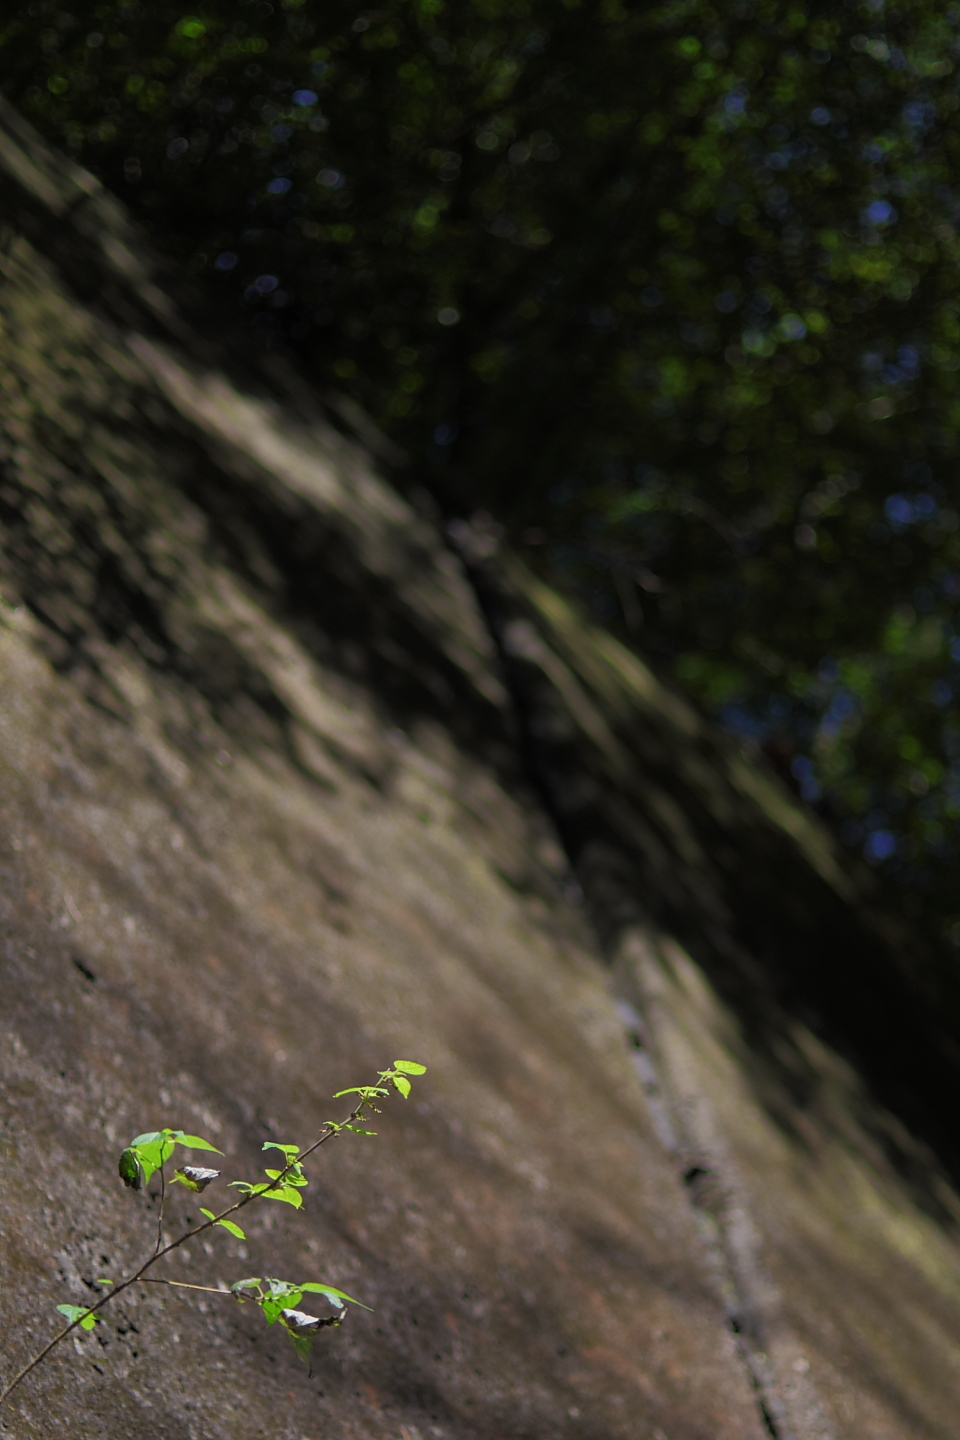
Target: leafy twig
(149,1153)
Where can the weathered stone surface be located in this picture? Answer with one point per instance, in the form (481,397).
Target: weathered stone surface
(804,1081)
(279,801)
(263,829)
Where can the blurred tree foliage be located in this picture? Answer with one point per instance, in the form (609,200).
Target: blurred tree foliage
(670,289)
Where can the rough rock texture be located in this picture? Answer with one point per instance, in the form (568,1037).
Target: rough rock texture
(281,800)
(801,1075)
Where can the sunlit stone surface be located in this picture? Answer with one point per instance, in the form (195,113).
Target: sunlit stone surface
(281,800)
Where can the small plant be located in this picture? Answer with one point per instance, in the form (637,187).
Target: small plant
(148,1154)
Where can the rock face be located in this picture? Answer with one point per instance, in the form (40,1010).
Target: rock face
(289,788)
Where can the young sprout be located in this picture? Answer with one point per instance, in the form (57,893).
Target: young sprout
(146,1156)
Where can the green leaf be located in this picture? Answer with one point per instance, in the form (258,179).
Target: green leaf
(357,1130)
(409,1067)
(150,1138)
(101,1280)
(249,1189)
(402,1084)
(153,1154)
(281,1287)
(287,1298)
(287,1194)
(240,1285)
(287,1149)
(336,1297)
(227,1224)
(194,1142)
(368,1091)
(233,1228)
(303,1344)
(130,1170)
(291,1177)
(79,1313)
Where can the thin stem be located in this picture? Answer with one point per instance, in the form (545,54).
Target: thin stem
(184,1285)
(139,1275)
(163,1195)
(32,1364)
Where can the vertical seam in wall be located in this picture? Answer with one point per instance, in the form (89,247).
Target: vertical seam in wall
(715,1243)
(712,1233)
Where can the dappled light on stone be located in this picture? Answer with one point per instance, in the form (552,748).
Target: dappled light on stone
(289,781)
(260,778)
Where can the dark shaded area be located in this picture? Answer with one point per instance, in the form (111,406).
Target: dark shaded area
(107,553)
(99,583)
(669,289)
(657,828)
